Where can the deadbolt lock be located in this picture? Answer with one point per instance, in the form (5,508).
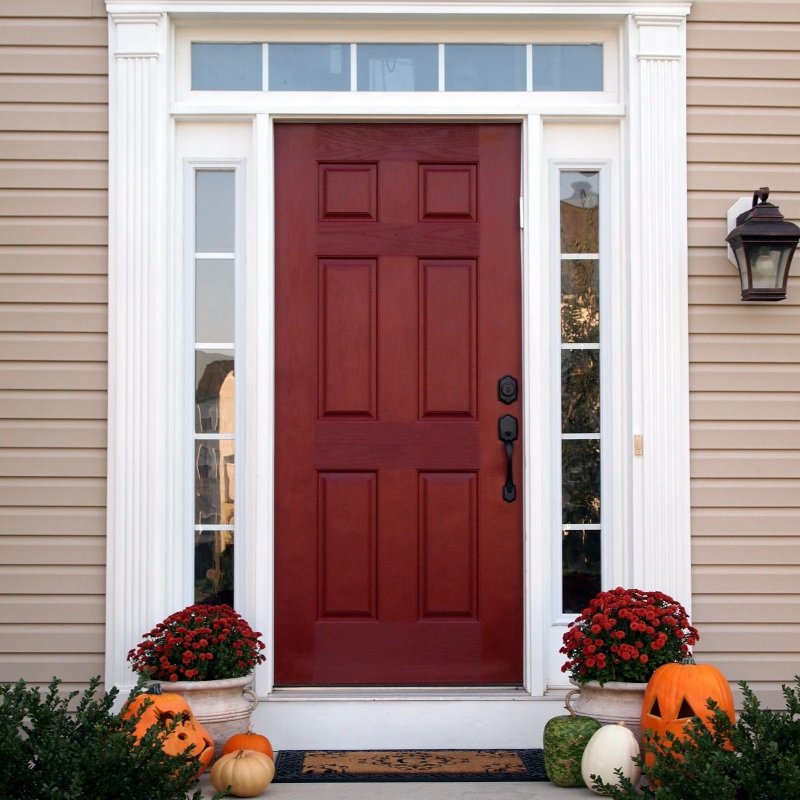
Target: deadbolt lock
(507,390)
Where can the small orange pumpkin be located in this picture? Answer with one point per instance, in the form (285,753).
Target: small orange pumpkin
(188,734)
(677,692)
(248,741)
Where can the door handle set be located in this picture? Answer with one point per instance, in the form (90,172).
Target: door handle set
(507,432)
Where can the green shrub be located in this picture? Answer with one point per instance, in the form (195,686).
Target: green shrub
(51,751)
(761,761)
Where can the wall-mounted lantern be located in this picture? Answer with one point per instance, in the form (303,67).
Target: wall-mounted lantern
(763,244)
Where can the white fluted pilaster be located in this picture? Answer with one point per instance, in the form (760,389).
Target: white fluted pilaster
(141,500)
(660,547)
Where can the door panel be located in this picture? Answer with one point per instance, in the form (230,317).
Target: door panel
(397,311)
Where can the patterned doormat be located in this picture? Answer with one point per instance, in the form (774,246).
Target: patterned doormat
(322,766)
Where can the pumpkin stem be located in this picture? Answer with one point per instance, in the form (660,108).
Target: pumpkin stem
(567,704)
(240,754)
(154,688)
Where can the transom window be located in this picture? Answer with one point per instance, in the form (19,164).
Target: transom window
(331,67)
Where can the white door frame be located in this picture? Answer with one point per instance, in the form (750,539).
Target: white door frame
(148,525)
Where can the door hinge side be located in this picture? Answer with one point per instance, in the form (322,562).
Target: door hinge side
(522,212)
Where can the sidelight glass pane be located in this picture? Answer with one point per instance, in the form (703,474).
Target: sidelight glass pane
(214,481)
(214,300)
(580,212)
(213,567)
(568,68)
(214,392)
(226,67)
(580,481)
(485,68)
(309,67)
(215,211)
(398,67)
(580,563)
(580,391)
(580,301)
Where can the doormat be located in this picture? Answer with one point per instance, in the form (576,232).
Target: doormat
(342,766)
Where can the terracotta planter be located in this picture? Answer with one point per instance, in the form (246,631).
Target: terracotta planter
(223,706)
(615,701)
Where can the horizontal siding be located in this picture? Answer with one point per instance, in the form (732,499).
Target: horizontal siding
(54,146)
(53,338)
(738,12)
(744,132)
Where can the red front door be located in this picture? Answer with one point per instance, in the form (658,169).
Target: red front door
(398,561)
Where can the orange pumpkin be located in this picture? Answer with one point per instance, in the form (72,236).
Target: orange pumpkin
(248,741)
(677,692)
(162,709)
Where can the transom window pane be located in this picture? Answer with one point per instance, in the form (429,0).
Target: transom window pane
(568,68)
(309,67)
(485,68)
(398,67)
(226,67)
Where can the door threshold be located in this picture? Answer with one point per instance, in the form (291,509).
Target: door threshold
(360,693)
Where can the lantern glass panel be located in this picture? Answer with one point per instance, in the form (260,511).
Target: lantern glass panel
(767,265)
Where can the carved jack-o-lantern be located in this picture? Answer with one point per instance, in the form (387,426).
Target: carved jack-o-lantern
(162,709)
(678,692)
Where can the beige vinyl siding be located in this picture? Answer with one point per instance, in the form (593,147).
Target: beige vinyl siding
(53,342)
(744,132)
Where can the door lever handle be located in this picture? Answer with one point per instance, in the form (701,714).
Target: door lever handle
(507,433)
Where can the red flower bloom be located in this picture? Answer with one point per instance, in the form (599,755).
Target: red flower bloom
(624,635)
(188,638)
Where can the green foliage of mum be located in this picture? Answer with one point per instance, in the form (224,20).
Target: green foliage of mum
(755,758)
(55,749)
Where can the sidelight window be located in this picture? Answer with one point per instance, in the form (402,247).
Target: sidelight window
(579,218)
(214,446)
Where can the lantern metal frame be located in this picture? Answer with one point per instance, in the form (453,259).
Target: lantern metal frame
(762,227)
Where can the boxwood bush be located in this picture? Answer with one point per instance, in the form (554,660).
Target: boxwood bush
(54,749)
(757,757)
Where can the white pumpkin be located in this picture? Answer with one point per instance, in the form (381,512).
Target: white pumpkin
(611,747)
(246,772)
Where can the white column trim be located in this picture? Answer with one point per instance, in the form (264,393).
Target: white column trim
(144,444)
(660,546)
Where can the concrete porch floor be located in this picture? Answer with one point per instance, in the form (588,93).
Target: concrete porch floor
(420,791)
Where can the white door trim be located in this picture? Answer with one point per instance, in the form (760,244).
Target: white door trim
(146,524)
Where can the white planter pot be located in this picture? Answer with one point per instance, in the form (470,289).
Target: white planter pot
(223,706)
(615,701)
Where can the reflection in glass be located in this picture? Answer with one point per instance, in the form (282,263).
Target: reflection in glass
(213,567)
(214,300)
(309,67)
(398,67)
(214,392)
(580,566)
(580,391)
(215,206)
(568,68)
(580,302)
(226,67)
(580,481)
(214,482)
(580,212)
(485,68)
